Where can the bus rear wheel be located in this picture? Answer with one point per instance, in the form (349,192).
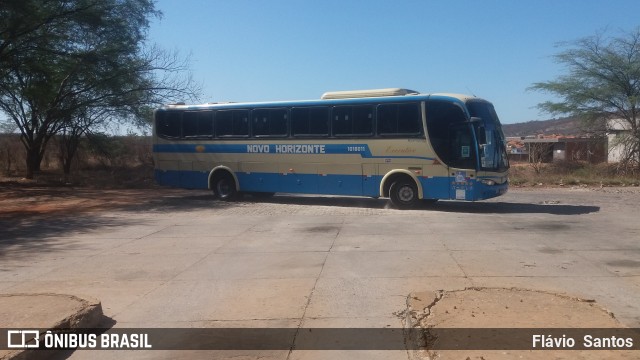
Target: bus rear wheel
(403,194)
(224,187)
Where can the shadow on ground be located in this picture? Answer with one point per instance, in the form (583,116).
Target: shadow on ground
(445,206)
(21,236)
(34,220)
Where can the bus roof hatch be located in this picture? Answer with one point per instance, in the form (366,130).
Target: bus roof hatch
(367,93)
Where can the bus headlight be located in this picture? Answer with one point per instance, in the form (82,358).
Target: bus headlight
(488,182)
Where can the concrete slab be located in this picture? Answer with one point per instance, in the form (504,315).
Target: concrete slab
(298,265)
(525,263)
(495,241)
(384,227)
(45,311)
(130,266)
(6,285)
(505,308)
(382,243)
(390,264)
(371,297)
(201,230)
(22,271)
(120,229)
(115,295)
(236,299)
(48,310)
(619,262)
(176,245)
(256,242)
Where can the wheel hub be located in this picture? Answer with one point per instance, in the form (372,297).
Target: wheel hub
(406,194)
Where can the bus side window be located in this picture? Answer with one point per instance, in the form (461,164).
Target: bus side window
(241,122)
(363,120)
(197,124)
(300,121)
(169,124)
(341,122)
(224,123)
(409,119)
(232,123)
(310,121)
(269,122)
(205,124)
(353,120)
(278,125)
(399,119)
(319,121)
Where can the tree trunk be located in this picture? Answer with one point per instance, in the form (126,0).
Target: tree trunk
(69,142)
(34,158)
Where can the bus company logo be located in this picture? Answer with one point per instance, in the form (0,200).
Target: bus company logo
(200,148)
(23,339)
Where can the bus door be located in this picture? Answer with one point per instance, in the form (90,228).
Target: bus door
(462,161)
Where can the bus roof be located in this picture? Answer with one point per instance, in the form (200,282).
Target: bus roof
(334,98)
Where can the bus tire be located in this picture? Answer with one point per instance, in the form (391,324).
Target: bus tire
(224,187)
(404,193)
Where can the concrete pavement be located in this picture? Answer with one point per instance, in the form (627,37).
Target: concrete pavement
(323,262)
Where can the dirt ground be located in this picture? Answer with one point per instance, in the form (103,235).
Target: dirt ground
(24,199)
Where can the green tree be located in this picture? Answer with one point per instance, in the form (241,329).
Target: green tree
(601,83)
(63,61)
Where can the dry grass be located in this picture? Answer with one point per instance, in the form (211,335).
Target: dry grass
(136,177)
(573,174)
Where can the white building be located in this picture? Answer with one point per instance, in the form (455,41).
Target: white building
(618,133)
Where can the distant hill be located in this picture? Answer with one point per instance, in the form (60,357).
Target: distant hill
(563,126)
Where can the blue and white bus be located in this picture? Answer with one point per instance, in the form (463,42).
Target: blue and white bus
(393,143)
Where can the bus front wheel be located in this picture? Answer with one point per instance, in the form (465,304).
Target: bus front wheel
(224,187)
(403,193)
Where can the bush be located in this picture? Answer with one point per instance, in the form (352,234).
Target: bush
(101,161)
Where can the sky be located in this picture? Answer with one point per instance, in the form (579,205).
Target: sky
(243,50)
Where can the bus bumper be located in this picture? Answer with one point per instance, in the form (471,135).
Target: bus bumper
(487,191)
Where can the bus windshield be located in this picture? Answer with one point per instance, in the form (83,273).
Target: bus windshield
(492,147)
